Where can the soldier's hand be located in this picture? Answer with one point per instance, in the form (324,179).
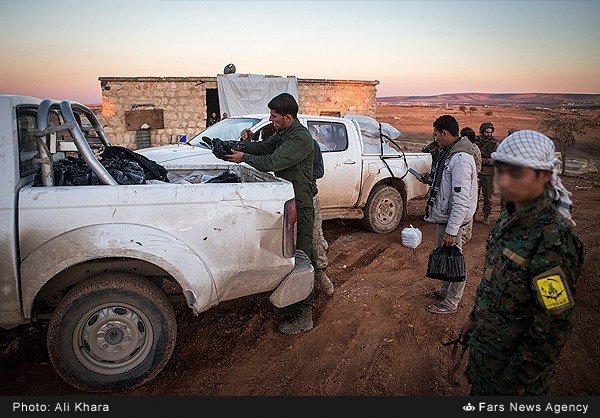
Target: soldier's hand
(235,156)
(466,330)
(246,134)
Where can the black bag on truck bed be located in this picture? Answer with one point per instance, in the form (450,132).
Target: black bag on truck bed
(124,165)
(152,170)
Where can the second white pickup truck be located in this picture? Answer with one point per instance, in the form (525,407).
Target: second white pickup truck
(364,179)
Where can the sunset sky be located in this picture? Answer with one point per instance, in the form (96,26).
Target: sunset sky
(59,48)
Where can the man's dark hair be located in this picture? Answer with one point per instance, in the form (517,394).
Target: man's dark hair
(448,123)
(284,104)
(469,133)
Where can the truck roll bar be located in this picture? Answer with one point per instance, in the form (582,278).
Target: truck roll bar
(67,109)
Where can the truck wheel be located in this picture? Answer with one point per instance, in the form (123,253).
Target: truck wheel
(113,332)
(384,210)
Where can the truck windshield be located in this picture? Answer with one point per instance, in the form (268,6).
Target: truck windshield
(228,130)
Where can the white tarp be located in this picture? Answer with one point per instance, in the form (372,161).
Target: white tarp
(246,94)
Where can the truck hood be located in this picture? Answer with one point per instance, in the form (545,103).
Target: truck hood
(180,155)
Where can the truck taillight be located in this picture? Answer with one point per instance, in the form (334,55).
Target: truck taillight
(290,218)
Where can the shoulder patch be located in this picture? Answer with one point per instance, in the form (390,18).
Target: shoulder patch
(553,291)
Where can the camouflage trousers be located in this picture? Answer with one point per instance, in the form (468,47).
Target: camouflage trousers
(319,245)
(485,375)
(486,188)
(467,231)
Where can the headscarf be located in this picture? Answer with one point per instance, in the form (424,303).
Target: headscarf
(535,150)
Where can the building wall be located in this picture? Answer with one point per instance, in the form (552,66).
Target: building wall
(343,96)
(183,101)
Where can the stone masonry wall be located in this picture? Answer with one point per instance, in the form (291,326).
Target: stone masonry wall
(343,96)
(183,100)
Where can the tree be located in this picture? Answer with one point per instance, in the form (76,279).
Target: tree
(473,109)
(463,108)
(562,128)
(488,113)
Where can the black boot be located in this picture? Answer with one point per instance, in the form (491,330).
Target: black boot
(302,322)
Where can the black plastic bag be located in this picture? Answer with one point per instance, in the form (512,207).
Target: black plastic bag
(226,177)
(123,171)
(222,148)
(126,167)
(447,264)
(68,173)
(152,170)
(77,173)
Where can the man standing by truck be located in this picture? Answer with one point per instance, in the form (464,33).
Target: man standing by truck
(319,245)
(451,201)
(289,153)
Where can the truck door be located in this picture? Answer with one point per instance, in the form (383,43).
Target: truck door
(340,186)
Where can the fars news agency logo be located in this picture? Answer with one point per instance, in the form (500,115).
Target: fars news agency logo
(468,407)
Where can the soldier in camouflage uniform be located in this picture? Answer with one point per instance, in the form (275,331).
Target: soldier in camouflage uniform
(470,134)
(434,149)
(523,310)
(319,244)
(487,144)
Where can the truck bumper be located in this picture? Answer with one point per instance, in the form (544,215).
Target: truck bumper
(297,285)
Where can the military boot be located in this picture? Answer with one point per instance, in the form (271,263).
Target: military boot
(323,283)
(302,322)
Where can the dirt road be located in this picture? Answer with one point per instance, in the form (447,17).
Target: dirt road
(374,337)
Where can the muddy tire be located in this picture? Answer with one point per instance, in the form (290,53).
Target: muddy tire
(114,332)
(384,210)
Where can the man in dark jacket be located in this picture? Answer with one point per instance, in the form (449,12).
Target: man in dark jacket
(289,153)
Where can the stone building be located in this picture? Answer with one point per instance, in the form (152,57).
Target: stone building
(172,106)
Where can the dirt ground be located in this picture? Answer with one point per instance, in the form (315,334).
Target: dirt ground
(374,337)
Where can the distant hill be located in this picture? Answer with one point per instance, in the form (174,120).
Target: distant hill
(499,99)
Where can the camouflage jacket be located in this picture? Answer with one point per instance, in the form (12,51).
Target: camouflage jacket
(487,146)
(522,318)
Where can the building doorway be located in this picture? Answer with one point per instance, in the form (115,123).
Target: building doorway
(212,104)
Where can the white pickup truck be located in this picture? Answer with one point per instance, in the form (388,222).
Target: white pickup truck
(104,262)
(365,178)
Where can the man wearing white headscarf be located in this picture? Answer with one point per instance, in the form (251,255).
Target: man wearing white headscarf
(524,304)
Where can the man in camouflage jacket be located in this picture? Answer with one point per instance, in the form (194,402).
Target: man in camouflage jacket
(487,144)
(524,304)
